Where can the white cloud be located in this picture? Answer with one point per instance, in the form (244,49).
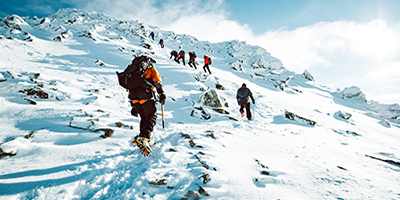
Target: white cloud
(342,54)
(206,20)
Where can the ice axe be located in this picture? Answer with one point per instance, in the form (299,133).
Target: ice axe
(162,114)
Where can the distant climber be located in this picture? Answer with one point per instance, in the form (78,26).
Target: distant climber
(161,43)
(243,97)
(181,55)
(152,35)
(192,57)
(175,55)
(207,62)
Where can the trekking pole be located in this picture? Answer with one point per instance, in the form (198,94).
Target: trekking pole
(162,114)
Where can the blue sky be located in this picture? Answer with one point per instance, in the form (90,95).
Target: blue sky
(262,15)
(341,42)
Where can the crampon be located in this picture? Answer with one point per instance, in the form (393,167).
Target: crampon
(143,144)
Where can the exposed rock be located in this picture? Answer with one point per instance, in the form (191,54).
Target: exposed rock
(4,154)
(219,86)
(172,150)
(146,46)
(99,63)
(187,136)
(158,182)
(206,178)
(36,93)
(66,34)
(384,160)
(260,164)
(121,125)
(354,93)
(14,22)
(211,135)
(107,132)
(353,133)
(264,172)
(203,192)
(203,163)
(200,113)
(343,115)
(30,135)
(58,39)
(31,101)
(192,144)
(307,75)
(294,117)
(2,78)
(192,195)
(210,98)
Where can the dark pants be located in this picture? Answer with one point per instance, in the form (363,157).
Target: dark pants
(247,106)
(206,67)
(148,117)
(175,58)
(192,64)
(183,60)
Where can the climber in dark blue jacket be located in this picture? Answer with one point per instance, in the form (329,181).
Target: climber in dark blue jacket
(243,97)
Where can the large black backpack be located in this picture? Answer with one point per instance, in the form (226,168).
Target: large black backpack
(133,76)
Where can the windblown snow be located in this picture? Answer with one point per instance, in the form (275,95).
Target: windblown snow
(66,128)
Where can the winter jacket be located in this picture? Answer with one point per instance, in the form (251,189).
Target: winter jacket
(181,54)
(192,56)
(206,60)
(243,95)
(143,94)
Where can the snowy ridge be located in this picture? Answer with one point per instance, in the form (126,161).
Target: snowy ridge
(67,128)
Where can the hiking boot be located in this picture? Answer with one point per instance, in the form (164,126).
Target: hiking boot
(241,114)
(249,118)
(143,144)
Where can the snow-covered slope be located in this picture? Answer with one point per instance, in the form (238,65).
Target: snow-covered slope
(60,102)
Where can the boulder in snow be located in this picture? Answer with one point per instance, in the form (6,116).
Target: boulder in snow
(4,154)
(210,98)
(58,39)
(295,117)
(307,75)
(343,115)
(354,93)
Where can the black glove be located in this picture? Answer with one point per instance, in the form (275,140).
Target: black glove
(134,112)
(162,98)
(254,102)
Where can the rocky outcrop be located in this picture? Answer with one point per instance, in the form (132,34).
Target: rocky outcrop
(307,75)
(343,115)
(354,93)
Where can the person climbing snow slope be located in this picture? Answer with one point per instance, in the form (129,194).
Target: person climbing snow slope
(243,97)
